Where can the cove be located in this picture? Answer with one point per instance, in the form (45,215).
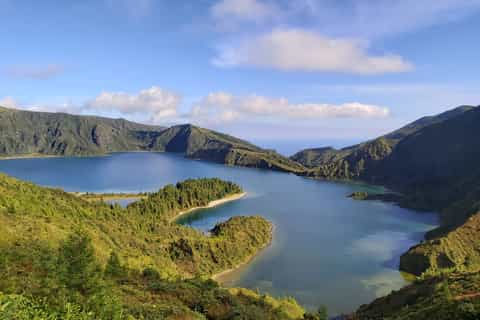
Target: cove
(327,250)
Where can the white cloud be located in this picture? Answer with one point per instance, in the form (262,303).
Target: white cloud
(9,102)
(223,107)
(155,103)
(35,72)
(301,50)
(227,12)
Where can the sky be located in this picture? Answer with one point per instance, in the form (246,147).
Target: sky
(304,72)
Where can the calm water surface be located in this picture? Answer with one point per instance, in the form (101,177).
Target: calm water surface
(327,249)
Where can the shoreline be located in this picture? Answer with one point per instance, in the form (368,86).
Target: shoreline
(211,204)
(30,156)
(214,203)
(218,276)
(93,155)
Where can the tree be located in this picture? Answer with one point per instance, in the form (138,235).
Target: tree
(78,268)
(114,268)
(321,314)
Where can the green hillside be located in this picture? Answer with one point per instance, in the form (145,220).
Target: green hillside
(456,296)
(62,257)
(357,161)
(199,143)
(432,164)
(26,133)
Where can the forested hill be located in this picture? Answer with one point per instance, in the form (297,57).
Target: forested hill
(62,257)
(433,163)
(30,133)
(25,132)
(353,161)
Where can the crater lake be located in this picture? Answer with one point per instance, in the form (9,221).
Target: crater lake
(327,249)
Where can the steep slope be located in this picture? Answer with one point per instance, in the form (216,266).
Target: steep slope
(459,248)
(142,233)
(433,162)
(351,162)
(24,132)
(438,164)
(65,258)
(200,143)
(441,298)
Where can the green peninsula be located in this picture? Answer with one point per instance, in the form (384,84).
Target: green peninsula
(62,257)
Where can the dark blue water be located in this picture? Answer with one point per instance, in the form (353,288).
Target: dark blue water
(327,249)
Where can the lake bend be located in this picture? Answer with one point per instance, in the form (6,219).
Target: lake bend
(327,249)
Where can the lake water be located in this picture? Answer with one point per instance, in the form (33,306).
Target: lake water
(327,250)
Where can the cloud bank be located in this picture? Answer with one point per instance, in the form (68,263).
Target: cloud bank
(301,50)
(156,103)
(9,102)
(223,107)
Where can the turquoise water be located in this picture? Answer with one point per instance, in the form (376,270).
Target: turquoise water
(327,249)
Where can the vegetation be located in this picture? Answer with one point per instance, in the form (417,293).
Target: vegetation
(199,143)
(442,297)
(25,132)
(433,163)
(69,283)
(359,195)
(330,163)
(135,262)
(62,257)
(172,199)
(141,233)
(40,133)
(93,197)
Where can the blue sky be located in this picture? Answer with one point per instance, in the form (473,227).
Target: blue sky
(264,70)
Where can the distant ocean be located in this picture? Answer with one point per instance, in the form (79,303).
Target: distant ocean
(290,147)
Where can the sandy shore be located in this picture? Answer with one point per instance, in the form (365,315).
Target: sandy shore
(219,277)
(212,204)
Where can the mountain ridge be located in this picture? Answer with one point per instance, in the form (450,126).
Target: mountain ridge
(44,133)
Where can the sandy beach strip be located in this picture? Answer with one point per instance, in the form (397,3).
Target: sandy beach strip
(211,204)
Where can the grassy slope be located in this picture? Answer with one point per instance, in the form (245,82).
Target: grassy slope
(35,220)
(456,296)
(29,213)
